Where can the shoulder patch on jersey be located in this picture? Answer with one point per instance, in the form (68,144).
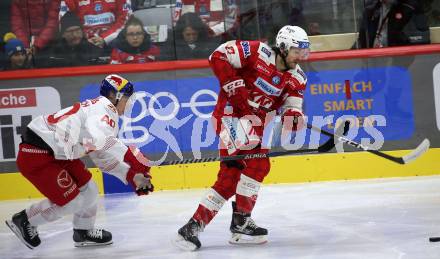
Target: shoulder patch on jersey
(246,48)
(266,51)
(266,54)
(301,73)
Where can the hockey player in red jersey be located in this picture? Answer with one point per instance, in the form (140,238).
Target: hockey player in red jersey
(49,158)
(254,79)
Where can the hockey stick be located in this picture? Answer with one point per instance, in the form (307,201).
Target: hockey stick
(327,146)
(421,148)
(434,239)
(416,153)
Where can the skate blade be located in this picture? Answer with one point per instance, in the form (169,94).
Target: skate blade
(92,244)
(181,243)
(241,239)
(17,232)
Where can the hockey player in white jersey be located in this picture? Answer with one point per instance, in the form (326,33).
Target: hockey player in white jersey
(49,158)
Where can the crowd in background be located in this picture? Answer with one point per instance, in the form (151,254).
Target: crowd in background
(64,33)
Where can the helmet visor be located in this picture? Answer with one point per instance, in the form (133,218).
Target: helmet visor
(302,54)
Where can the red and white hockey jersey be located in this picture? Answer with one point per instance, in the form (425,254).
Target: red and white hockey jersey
(254,62)
(105,18)
(90,127)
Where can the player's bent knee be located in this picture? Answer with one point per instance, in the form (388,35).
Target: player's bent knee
(89,192)
(87,197)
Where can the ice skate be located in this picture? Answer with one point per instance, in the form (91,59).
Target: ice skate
(21,227)
(188,236)
(91,237)
(244,230)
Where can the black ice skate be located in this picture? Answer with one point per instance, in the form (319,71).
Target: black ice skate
(188,236)
(244,230)
(92,237)
(21,227)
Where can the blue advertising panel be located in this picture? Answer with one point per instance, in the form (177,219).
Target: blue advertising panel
(175,115)
(378,97)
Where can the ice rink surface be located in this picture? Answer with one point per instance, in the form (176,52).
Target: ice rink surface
(380,218)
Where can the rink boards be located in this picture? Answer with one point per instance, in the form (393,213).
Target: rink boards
(307,168)
(403,89)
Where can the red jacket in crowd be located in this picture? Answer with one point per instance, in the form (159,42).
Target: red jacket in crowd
(120,57)
(104,18)
(38,18)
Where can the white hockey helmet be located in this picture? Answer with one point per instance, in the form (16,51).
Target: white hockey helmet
(292,36)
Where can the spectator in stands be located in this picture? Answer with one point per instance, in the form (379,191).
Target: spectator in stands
(35,22)
(274,14)
(133,44)
(17,57)
(220,16)
(384,21)
(191,38)
(71,47)
(101,20)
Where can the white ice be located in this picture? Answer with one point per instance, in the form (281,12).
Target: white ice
(380,218)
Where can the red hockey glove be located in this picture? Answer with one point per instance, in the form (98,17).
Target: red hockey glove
(292,120)
(138,176)
(238,96)
(141,182)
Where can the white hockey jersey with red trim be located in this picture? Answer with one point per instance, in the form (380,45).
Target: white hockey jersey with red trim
(89,127)
(254,62)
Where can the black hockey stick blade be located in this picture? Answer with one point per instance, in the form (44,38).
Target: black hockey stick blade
(330,144)
(434,239)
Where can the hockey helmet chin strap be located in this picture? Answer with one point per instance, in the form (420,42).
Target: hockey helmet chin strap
(118,97)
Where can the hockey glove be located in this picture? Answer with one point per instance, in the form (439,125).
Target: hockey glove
(292,120)
(238,96)
(141,182)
